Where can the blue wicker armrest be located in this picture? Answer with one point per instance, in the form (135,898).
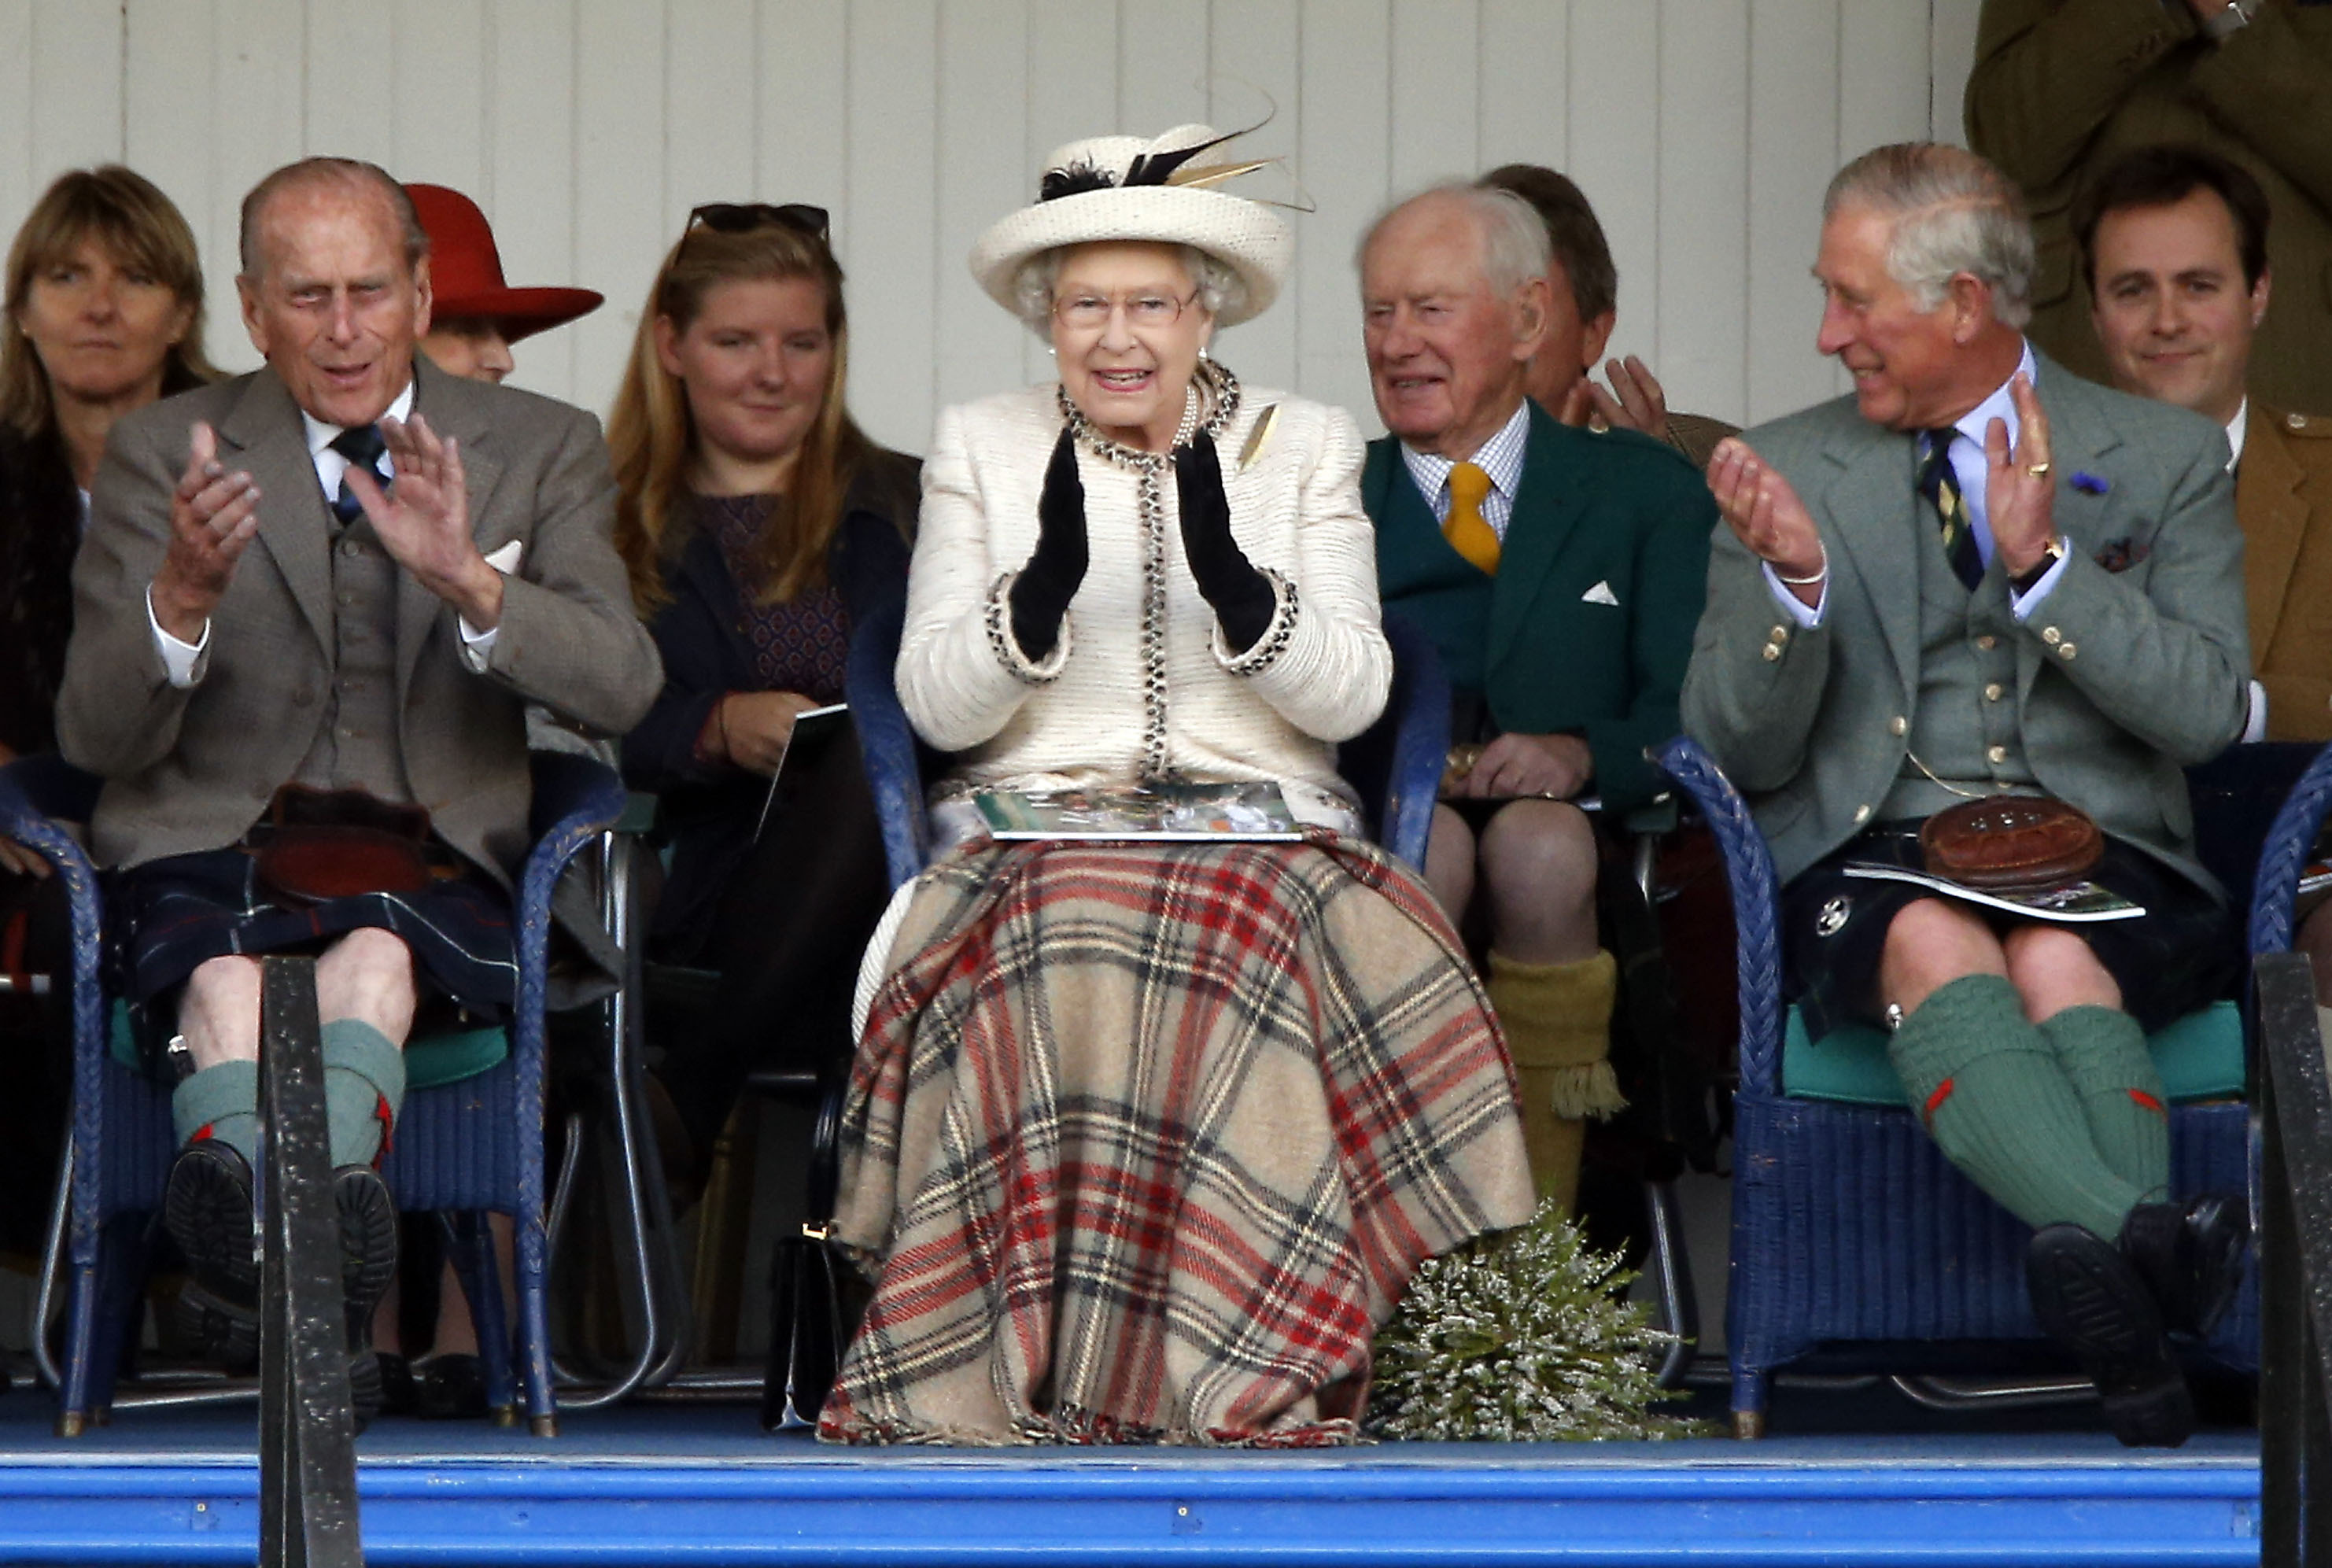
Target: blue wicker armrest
(1420,743)
(1749,871)
(886,743)
(2290,845)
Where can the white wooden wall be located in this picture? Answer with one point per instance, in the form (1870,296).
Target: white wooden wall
(1704,131)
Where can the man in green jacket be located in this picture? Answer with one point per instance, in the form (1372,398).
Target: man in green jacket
(1560,573)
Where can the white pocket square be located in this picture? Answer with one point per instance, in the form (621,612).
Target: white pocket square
(504,559)
(1601,594)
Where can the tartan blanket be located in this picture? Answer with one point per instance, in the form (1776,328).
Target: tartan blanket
(1142,1143)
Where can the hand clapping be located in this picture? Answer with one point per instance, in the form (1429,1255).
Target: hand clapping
(213,517)
(1765,514)
(423,519)
(2020,495)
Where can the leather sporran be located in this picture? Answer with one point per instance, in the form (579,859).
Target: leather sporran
(815,1295)
(2017,843)
(320,845)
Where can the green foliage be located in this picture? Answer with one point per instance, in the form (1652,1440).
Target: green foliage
(1521,1337)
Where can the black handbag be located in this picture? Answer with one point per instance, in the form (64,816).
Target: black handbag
(815,1295)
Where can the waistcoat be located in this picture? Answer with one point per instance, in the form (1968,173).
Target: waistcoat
(1964,722)
(356,745)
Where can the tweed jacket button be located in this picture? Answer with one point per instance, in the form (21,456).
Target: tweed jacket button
(1781,635)
(1861,815)
(1899,725)
(1992,691)
(2296,421)
(2065,652)
(1996,755)
(1987,642)
(2052,635)
(1772,652)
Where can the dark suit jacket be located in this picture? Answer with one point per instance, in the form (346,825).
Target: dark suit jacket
(193,768)
(40,527)
(2283,499)
(699,632)
(2133,666)
(1587,626)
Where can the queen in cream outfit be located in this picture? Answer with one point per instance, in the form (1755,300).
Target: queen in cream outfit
(1143,1139)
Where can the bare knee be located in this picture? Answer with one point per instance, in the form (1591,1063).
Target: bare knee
(1929,945)
(1449,863)
(2052,969)
(218,1013)
(1539,859)
(368,975)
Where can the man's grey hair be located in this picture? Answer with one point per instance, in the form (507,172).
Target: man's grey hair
(1218,282)
(1953,213)
(1515,246)
(323,171)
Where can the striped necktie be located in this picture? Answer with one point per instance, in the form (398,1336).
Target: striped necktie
(1469,532)
(1941,486)
(362,446)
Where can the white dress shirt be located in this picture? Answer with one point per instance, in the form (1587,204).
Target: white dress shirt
(184,661)
(1500,457)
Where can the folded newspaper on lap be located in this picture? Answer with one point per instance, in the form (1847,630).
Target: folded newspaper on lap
(2074,903)
(1182,813)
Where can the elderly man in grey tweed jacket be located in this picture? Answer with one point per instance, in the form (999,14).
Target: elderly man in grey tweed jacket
(1979,576)
(339,578)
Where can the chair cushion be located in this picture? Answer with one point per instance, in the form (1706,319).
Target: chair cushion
(445,1059)
(2200,1057)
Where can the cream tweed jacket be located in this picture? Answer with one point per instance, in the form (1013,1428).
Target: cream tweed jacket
(1138,683)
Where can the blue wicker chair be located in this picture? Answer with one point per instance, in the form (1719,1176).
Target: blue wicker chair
(466,1145)
(1396,765)
(1851,1233)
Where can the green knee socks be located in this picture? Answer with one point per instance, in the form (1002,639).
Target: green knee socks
(2103,1055)
(364,1088)
(1987,1084)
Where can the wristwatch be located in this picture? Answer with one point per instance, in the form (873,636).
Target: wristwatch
(2055,550)
(2225,24)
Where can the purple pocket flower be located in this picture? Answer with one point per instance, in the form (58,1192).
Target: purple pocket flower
(2090,483)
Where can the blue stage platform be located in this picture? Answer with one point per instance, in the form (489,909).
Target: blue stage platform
(700,1485)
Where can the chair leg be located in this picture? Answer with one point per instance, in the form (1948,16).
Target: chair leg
(1672,1273)
(1750,1391)
(470,1244)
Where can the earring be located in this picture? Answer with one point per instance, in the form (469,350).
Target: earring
(1203,352)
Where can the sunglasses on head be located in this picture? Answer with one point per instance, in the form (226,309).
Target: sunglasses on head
(744,217)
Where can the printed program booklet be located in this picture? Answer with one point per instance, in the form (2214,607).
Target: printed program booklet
(814,730)
(1188,813)
(2074,903)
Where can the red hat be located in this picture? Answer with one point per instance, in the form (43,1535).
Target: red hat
(465,271)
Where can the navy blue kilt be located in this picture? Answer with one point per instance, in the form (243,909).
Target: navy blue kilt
(2182,955)
(168,916)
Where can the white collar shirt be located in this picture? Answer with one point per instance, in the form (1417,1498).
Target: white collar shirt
(2237,429)
(330,466)
(1500,457)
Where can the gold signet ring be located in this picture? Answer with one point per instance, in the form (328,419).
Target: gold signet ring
(2038,470)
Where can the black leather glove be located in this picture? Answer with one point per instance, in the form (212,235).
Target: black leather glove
(1041,593)
(1241,596)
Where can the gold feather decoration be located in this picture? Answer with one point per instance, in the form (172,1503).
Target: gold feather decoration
(1260,438)
(1214,174)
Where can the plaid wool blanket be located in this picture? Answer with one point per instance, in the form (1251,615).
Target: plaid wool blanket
(1142,1143)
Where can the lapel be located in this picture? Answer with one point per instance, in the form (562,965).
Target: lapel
(1547,508)
(456,409)
(2080,436)
(262,434)
(1874,527)
(2274,521)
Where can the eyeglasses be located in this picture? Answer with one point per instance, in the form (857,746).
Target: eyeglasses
(744,217)
(1090,313)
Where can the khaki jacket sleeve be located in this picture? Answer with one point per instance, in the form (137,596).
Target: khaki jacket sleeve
(2049,73)
(2272,85)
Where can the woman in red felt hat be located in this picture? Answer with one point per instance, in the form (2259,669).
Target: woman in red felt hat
(475,317)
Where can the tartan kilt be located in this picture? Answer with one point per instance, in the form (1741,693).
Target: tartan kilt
(1142,1143)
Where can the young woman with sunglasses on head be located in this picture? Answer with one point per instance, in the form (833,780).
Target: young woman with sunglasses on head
(761,525)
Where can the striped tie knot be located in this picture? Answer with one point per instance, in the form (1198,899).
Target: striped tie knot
(1940,485)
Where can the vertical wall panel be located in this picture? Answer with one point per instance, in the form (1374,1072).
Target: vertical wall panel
(350,81)
(1256,72)
(983,73)
(530,181)
(1793,153)
(1951,55)
(619,228)
(76,95)
(1703,132)
(1524,67)
(1615,147)
(1073,67)
(262,133)
(710,144)
(440,108)
(1882,52)
(888,242)
(1345,56)
(1162,66)
(167,139)
(1435,90)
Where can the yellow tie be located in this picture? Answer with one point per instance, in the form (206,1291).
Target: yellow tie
(1468,533)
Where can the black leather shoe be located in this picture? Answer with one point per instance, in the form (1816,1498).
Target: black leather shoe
(450,1388)
(2192,1258)
(367,1246)
(2088,1297)
(206,1209)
